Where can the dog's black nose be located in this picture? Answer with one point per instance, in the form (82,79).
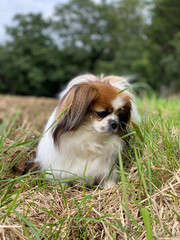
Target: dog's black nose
(113,124)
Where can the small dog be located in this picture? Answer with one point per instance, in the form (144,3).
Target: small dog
(92,116)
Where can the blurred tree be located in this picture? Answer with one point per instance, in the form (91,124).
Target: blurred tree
(82,29)
(161,58)
(30,62)
(127,29)
(85,36)
(100,38)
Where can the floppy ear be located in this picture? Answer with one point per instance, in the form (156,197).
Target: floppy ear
(124,117)
(79,100)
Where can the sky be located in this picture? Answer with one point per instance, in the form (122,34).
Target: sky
(8,8)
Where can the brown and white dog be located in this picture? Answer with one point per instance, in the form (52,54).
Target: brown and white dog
(86,139)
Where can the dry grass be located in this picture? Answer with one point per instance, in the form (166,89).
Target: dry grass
(102,212)
(34,208)
(34,112)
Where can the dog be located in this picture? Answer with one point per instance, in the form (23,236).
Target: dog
(83,136)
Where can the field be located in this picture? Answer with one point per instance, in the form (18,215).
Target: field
(144,205)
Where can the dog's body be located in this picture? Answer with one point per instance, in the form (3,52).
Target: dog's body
(85,140)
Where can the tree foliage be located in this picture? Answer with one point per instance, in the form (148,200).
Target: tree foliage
(161,59)
(83,36)
(30,62)
(105,38)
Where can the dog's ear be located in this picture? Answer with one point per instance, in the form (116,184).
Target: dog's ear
(125,116)
(78,100)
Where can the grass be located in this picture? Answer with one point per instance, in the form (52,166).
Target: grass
(144,205)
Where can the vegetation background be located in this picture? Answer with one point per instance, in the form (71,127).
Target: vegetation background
(137,38)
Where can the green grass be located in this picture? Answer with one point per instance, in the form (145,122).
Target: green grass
(40,209)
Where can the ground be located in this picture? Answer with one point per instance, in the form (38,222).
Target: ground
(33,114)
(144,205)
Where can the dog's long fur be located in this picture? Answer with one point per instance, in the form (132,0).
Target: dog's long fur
(85,140)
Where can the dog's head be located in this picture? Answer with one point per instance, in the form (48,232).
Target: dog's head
(104,108)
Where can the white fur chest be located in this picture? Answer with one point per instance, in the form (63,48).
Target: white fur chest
(80,154)
(83,153)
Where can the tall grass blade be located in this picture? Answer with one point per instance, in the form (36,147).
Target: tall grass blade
(10,208)
(147,223)
(33,228)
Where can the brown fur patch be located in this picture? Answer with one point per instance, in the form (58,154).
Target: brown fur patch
(79,100)
(107,94)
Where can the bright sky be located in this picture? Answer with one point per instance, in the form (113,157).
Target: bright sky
(8,8)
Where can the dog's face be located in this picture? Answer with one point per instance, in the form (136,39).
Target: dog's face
(98,105)
(110,112)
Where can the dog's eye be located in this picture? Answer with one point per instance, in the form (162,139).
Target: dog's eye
(102,114)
